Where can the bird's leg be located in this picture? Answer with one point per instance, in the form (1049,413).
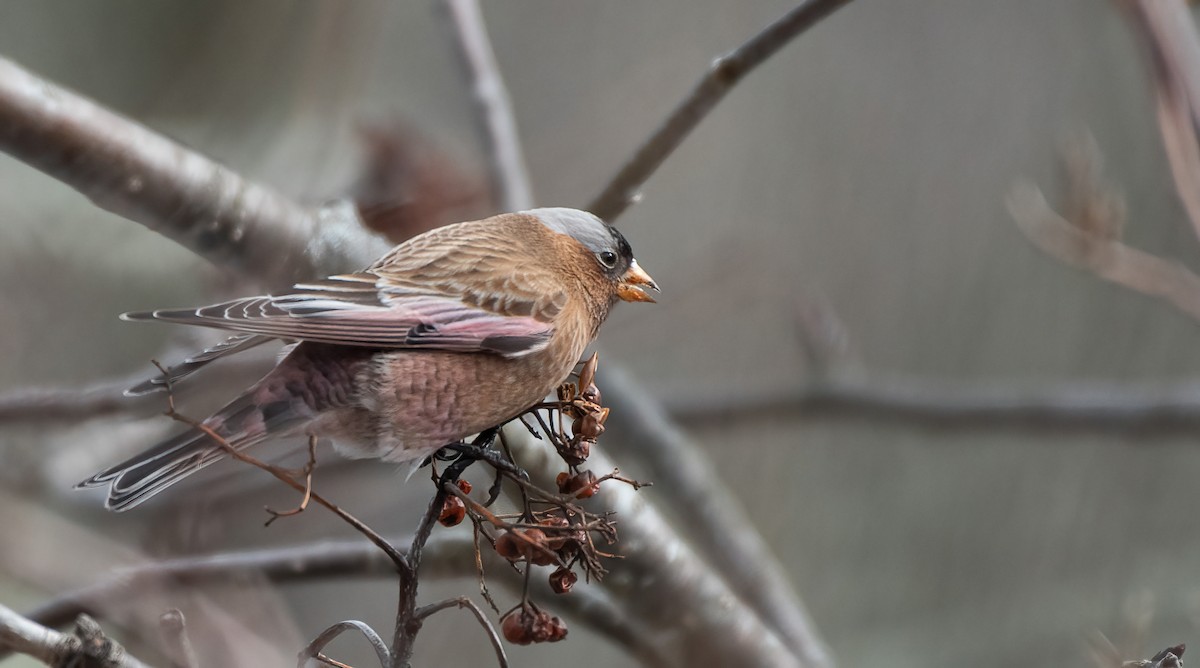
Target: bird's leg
(478,450)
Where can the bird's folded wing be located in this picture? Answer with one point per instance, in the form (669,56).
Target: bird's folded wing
(365,310)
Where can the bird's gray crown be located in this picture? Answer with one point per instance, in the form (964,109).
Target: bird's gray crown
(587,229)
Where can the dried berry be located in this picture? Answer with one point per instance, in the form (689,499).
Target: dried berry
(582,485)
(556,536)
(577,450)
(562,579)
(535,549)
(588,425)
(591,394)
(530,545)
(525,625)
(506,546)
(464,486)
(513,626)
(453,511)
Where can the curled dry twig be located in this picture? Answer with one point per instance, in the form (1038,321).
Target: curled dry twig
(315,648)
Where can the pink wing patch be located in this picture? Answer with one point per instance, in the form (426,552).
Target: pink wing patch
(415,321)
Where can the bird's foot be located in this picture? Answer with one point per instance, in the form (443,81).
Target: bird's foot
(462,455)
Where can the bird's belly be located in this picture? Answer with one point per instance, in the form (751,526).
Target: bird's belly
(418,402)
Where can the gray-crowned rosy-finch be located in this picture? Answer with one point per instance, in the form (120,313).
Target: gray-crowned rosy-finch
(452,332)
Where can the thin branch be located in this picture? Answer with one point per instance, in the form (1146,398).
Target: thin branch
(721,77)
(281,475)
(313,650)
(128,169)
(1107,258)
(1168,30)
(315,561)
(1083,407)
(462,602)
(690,486)
(18,634)
(498,124)
(408,623)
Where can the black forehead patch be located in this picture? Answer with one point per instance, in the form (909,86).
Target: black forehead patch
(623,248)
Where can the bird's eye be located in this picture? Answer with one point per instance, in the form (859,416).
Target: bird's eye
(608,259)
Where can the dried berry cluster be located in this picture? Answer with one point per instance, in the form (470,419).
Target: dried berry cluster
(551,529)
(527,624)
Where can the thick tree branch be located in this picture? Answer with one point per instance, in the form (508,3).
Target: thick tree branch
(659,580)
(64,405)
(86,647)
(125,168)
(446,555)
(716,523)
(721,77)
(498,124)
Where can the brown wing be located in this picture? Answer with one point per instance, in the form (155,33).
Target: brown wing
(492,265)
(467,287)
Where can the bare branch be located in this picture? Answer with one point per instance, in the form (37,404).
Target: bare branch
(446,555)
(721,530)
(313,650)
(1169,32)
(66,404)
(498,124)
(288,564)
(463,602)
(1086,407)
(125,168)
(1108,258)
(18,634)
(721,77)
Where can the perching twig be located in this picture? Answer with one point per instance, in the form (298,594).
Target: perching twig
(510,175)
(721,77)
(408,624)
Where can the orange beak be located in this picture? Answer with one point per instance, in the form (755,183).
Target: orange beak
(633,284)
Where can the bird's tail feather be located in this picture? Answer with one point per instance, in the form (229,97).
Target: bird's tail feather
(242,423)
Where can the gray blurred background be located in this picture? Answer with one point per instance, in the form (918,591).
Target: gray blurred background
(863,168)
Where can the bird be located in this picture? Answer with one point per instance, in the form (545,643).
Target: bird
(452,332)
